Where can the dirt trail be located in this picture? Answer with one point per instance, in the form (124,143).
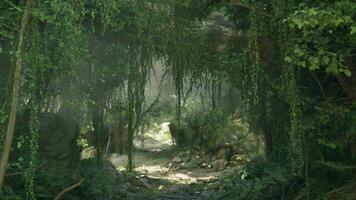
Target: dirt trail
(155,160)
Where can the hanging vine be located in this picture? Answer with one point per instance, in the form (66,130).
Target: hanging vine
(253,55)
(140,64)
(290,86)
(251,71)
(34,79)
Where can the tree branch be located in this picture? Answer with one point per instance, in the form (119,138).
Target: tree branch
(319,84)
(15,93)
(68,189)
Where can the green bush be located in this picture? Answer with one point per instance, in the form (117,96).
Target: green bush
(259,180)
(203,129)
(182,134)
(99,181)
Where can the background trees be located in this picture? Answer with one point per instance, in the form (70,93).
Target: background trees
(292,62)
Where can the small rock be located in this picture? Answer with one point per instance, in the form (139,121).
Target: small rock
(177,160)
(141,182)
(205,165)
(145,183)
(239,159)
(233,163)
(157,150)
(206,194)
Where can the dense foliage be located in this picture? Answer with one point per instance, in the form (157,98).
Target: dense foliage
(293,62)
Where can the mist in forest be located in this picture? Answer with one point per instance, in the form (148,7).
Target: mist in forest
(177,99)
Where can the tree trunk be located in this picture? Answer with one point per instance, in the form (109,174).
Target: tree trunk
(130,136)
(98,117)
(348,84)
(121,141)
(15,93)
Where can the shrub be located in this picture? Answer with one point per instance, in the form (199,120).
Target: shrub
(202,129)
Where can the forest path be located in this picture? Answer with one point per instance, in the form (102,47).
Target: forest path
(161,176)
(157,181)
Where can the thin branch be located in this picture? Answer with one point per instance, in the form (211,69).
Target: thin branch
(14,174)
(319,84)
(186,95)
(238,3)
(68,189)
(9,28)
(336,166)
(153,103)
(108,146)
(158,95)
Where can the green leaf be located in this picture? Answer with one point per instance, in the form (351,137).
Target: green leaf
(313,12)
(339,21)
(347,72)
(3,119)
(288,59)
(325,60)
(298,22)
(327,143)
(332,68)
(20,159)
(353,30)
(314,63)
(299,52)
(302,63)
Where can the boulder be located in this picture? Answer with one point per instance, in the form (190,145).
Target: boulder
(182,135)
(119,136)
(218,165)
(58,136)
(221,154)
(164,128)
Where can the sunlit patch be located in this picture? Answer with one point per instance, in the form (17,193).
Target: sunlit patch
(147,162)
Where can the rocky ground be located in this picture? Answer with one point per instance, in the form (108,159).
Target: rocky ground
(165,173)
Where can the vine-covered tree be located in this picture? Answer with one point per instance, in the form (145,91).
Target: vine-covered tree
(291,61)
